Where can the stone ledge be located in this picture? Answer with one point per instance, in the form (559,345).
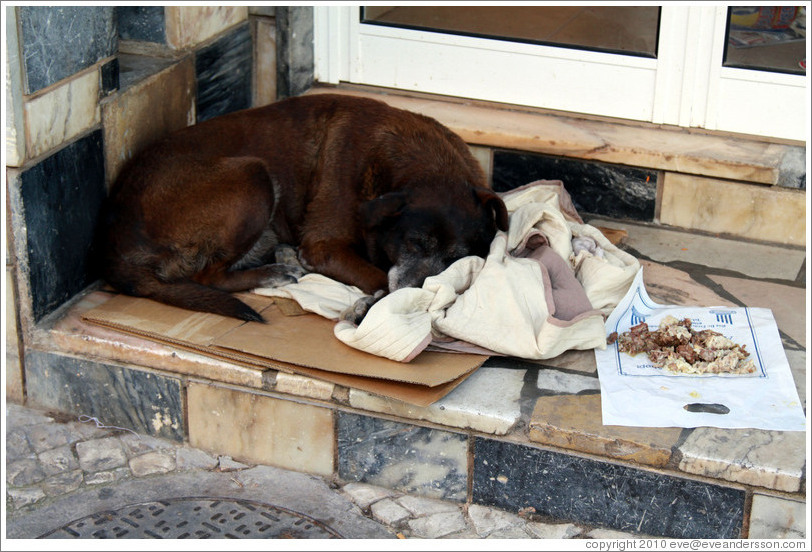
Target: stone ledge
(640,145)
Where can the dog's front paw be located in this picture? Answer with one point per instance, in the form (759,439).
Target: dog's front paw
(277,275)
(356,313)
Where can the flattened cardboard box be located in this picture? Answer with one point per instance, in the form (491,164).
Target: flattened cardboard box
(297,344)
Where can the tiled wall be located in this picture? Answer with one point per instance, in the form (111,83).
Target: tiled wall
(88,87)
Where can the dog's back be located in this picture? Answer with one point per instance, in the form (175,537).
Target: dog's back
(219,195)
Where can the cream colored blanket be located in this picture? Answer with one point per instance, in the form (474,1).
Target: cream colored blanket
(523,300)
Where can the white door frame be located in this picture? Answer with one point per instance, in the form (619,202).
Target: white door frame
(686,85)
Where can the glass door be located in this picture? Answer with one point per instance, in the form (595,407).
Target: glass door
(671,64)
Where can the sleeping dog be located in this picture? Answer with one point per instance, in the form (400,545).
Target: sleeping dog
(372,196)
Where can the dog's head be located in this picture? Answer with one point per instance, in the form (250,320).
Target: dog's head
(414,238)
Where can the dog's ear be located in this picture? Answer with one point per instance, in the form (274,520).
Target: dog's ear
(489,199)
(376,211)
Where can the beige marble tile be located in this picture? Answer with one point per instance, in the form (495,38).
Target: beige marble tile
(744,210)
(71,335)
(772,517)
(574,422)
(770,459)
(147,111)
(15,134)
(256,428)
(62,113)
(295,384)
(484,157)
(487,401)
(264,62)
(786,302)
(187,26)
(589,138)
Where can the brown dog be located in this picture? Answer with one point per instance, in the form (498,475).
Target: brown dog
(373,196)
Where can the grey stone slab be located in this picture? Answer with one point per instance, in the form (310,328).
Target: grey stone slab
(152,462)
(421,506)
(437,526)
(62,483)
(142,23)
(17,445)
(224,72)
(55,207)
(364,495)
(400,456)
(106,477)
(47,436)
(118,396)
(101,454)
(511,476)
(389,512)
(24,472)
(60,41)
(487,521)
(19,416)
(189,459)
(58,460)
(561,383)
(20,498)
(773,517)
(665,245)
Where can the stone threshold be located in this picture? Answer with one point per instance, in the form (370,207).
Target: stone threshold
(496,440)
(718,155)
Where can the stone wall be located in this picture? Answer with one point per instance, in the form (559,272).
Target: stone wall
(87,88)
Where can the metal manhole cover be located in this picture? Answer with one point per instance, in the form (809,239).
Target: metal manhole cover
(196,518)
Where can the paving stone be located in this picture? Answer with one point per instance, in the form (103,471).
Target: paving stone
(136,444)
(488,520)
(62,483)
(19,416)
(226,463)
(190,459)
(364,495)
(420,506)
(104,477)
(574,422)
(777,518)
(552,530)
(47,436)
(152,462)
(58,460)
(437,525)
(23,473)
(24,497)
(797,364)
(101,454)
(601,533)
(79,431)
(512,532)
(389,512)
(17,445)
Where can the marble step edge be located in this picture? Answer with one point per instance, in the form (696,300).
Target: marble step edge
(732,157)
(194,367)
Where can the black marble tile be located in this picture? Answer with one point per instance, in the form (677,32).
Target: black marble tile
(57,42)
(405,457)
(60,198)
(109,77)
(568,487)
(142,23)
(224,74)
(598,188)
(143,402)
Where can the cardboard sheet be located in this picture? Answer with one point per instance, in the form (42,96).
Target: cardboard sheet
(297,344)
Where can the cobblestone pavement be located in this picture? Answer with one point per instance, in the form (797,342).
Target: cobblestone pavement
(68,478)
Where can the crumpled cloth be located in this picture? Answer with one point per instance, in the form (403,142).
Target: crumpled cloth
(533,297)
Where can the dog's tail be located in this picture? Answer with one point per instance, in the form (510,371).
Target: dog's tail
(185,294)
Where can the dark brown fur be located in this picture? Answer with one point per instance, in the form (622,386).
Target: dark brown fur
(355,184)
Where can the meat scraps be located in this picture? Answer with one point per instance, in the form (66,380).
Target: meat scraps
(677,348)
